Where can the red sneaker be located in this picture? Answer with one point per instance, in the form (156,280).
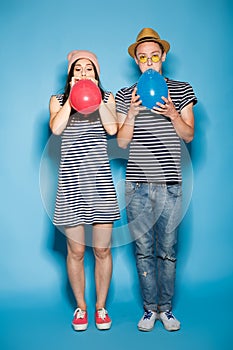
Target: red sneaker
(102,320)
(80,321)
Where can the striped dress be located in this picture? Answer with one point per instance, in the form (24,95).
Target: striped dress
(86,193)
(155,150)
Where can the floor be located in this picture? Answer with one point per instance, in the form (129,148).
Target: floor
(206,324)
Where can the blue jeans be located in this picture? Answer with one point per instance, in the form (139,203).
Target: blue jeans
(154,213)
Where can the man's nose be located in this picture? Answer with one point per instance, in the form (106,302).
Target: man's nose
(149,62)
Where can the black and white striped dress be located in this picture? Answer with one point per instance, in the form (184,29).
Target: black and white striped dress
(155,150)
(86,192)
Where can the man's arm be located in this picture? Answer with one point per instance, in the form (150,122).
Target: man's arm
(183,122)
(126,121)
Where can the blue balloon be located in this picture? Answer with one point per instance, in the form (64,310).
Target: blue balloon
(151,87)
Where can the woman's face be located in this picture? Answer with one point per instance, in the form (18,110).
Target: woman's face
(83,69)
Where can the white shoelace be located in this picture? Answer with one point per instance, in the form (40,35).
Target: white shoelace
(79,313)
(102,313)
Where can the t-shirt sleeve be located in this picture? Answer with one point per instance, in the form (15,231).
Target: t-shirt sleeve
(121,106)
(188,96)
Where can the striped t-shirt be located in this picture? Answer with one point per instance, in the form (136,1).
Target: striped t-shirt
(155,150)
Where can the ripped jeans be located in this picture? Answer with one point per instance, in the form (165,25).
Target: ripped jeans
(154,213)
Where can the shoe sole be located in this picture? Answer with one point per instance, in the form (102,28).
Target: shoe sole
(145,329)
(82,327)
(172,329)
(104,326)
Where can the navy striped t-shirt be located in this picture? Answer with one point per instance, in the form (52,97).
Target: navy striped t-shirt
(155,149)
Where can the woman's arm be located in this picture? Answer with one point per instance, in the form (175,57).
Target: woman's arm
(108,115)
(125,133)
(59,115)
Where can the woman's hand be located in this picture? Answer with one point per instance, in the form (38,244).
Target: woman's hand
(94,80)
(76,79)
(73,81)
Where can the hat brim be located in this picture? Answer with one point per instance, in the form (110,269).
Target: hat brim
(132,48)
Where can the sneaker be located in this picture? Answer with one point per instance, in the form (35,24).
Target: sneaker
(147,321)
(79,321)
(102,320)
(169,321)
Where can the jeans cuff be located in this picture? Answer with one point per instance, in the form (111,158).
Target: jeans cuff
(164,308)
(152,307)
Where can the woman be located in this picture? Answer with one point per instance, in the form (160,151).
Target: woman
(86,193)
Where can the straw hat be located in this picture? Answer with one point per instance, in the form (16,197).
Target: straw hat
(148,34)
(77,54)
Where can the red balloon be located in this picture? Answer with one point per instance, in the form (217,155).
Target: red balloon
(85,96)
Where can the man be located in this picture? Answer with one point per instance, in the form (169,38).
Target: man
(153,177)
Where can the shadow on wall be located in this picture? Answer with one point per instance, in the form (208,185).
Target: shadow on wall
(198,154)
(198,147)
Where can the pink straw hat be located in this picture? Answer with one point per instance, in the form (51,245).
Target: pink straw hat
(77,54)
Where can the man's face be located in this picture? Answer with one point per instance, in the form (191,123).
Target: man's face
(149,55)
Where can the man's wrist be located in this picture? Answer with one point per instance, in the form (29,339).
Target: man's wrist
(175,117)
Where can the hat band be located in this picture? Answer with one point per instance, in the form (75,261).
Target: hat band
(148,37)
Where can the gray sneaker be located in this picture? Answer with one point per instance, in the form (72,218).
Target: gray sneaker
(147,321)
(169,321)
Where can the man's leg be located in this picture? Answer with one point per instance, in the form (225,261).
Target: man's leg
(141,222)
(166,240)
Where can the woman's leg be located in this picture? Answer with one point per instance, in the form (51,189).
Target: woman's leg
(75,263)
(103,261)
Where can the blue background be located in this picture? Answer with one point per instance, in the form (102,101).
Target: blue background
(36,303)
